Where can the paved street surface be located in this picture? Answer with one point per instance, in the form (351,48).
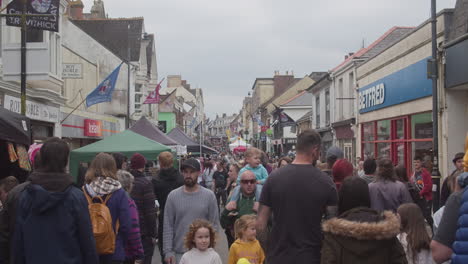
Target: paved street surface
(221,248)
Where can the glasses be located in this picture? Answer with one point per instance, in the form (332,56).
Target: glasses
(248,181)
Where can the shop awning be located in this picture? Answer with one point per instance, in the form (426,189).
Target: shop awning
(126,142)
(178,135)
(14,127)
(145,128)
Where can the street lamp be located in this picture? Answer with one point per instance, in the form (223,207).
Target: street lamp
(435,110)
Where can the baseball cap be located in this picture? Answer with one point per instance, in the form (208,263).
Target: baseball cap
(335,151)
(191,163)
(458,156)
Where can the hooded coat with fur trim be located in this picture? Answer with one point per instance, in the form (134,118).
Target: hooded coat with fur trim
(362,235)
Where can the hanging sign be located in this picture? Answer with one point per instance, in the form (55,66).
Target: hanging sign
(35,7)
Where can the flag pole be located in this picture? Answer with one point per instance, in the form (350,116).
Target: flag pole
(201,134)
(74,109)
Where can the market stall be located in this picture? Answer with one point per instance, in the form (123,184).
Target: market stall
(126,142)
(179,136)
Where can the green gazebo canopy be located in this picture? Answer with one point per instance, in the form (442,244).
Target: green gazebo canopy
(126,142)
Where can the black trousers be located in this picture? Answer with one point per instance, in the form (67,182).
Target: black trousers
(426,208)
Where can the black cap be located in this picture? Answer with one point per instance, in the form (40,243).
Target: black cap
(191,163)
(458,156)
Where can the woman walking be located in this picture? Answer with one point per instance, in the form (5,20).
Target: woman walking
(102,186)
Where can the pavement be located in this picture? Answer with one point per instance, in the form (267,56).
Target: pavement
(221,248)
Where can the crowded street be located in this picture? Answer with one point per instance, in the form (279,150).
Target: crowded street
(242,132)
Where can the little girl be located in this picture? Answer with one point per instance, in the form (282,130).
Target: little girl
(246,246)
(200,241)
(414,235)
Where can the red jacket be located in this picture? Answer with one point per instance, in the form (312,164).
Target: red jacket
(426,191)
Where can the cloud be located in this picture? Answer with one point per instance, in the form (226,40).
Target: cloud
(222,46)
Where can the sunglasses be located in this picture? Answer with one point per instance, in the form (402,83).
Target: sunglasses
(248,181)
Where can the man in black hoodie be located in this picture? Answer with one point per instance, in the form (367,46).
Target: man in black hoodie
(51,217)
(167,180)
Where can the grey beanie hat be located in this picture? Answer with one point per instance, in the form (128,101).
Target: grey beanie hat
(335,151)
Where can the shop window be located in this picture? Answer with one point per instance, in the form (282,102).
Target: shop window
(421,126)
(383,150)
(400,128)
(368,150)
(383,130)
(368,132)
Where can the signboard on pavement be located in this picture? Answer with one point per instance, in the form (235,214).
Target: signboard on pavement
(35,7)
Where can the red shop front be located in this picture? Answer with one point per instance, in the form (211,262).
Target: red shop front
(399,139)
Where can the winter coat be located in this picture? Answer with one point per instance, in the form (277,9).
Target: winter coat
(143,195)
(362,235)
(426,191)
(388,195)
(53,223)
(166,181)
(460,246)
(119,209)
(133,246)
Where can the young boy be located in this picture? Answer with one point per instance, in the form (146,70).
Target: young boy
(254,164)
(423,181)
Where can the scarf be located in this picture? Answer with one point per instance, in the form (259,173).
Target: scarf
(102,186)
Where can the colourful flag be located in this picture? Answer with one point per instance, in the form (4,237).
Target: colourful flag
(153,97)
(103,92)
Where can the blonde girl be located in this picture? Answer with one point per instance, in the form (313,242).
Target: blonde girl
(246,244)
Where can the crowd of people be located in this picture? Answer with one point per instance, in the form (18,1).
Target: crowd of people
(287,210)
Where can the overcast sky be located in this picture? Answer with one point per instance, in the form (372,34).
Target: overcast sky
(222,46)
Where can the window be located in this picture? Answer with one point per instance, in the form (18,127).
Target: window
(34,35)
(327,107)
(399,139)
(351,94)
(138,88)
(340,98)
(317,111)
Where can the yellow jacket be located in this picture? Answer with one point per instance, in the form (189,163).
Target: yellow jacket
(251,250)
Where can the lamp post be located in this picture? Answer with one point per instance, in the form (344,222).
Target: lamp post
(435,110)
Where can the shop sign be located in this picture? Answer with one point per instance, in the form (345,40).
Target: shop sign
(402,86)
(92,128)
(372,96)
(34,110)
(291,141)
(72,71)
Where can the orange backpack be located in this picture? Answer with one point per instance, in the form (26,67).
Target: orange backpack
(101,220)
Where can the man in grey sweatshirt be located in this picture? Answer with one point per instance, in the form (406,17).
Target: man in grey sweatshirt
(183,206)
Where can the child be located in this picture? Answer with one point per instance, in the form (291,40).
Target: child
(254,164)
(253,159)
(200,240)
(414,236)
(246,245)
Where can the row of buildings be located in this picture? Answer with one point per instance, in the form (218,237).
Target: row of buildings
(64,67)
(377,102)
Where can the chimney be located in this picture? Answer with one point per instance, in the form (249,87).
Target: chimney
(346,57)
(351,54)
(76,9)
(224,115)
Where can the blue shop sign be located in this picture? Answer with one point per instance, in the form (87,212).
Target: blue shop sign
(405,85)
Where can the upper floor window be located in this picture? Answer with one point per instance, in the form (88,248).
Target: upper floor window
(317,111)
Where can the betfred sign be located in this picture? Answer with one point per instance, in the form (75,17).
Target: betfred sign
(92,128)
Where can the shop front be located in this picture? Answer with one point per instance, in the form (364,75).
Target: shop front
(396,118)
(83,128)
(345,138)
(44,118)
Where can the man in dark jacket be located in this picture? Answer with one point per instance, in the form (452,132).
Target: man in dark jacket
(143,195)
(167,180)
(52,217)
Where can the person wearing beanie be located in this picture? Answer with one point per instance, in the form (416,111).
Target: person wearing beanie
(333,154)
(360,234)
(448,186)
(341,169)
(143,195)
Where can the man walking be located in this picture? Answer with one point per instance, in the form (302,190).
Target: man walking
(297,195)
(184,205)
(245,204)
(166,181)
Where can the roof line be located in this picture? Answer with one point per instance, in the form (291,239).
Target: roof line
(364,50)
(292,98)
